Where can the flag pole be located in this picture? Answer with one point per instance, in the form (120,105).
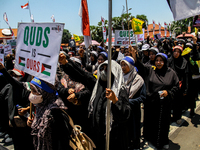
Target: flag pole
(128,22)
(109,75)
(29,10)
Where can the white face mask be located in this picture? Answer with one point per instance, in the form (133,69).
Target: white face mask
(35,99)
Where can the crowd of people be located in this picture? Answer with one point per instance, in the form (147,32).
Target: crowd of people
(160,75)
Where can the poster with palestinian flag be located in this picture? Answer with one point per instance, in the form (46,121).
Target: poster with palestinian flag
(122,37)
(38,48)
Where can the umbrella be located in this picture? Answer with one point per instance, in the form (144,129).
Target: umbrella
(93,43)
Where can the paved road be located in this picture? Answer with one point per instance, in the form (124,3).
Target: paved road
(185,136)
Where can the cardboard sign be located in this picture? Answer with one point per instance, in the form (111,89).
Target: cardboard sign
(7,49)
(38,47)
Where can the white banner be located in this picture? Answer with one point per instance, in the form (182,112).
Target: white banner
(122,37)
(7,49)
(140,37)
(38,47)
(2,53)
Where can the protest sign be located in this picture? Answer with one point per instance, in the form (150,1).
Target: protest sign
(12,43)
(38,47)
(140,37)
(122,38)
(2,53)
(7,49)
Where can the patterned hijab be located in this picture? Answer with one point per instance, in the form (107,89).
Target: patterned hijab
(41,129)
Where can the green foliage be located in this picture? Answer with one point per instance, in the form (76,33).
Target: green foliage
(96,31)
(143,18)
(66,36)
(183,24)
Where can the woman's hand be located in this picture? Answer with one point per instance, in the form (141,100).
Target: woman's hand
(70,91)
(30,121)
(22,111)
(111,96)
(164,94)
(71,97)
(1,66)
(62,59)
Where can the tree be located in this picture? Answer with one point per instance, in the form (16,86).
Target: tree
(96,31)
(66,36)
(183,24)
(143,18)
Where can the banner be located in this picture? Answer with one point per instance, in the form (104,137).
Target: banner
(2,53)
(38,49)
(182,9)
(12,43)
(7,49)
(140,37)
(137,26)
(122,38)
(103,29)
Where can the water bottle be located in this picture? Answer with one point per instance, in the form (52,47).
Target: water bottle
(26,115)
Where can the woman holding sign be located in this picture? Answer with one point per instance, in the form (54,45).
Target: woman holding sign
(118,97)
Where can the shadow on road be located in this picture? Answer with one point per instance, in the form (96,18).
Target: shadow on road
(195,120)
(174,146)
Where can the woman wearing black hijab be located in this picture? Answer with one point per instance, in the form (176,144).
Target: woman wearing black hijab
(180,66)
(157,106)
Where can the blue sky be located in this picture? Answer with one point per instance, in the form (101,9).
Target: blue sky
(66,11)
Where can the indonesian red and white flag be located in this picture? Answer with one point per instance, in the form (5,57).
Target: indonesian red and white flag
(85,25)
(26,6)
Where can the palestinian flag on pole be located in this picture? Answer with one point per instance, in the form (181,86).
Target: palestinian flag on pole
(46,69)
(182,9)
(22,61)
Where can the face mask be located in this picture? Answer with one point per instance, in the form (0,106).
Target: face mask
(103,75)
(155,44)
(35,99)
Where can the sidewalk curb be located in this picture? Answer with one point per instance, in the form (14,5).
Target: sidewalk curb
(185,117)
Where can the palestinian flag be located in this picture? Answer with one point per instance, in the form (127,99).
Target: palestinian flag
(46,69)
(22,61)
(182,9)
(132,42)
(119,42)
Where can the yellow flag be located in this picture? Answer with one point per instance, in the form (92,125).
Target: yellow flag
(137,26)
(76,37)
